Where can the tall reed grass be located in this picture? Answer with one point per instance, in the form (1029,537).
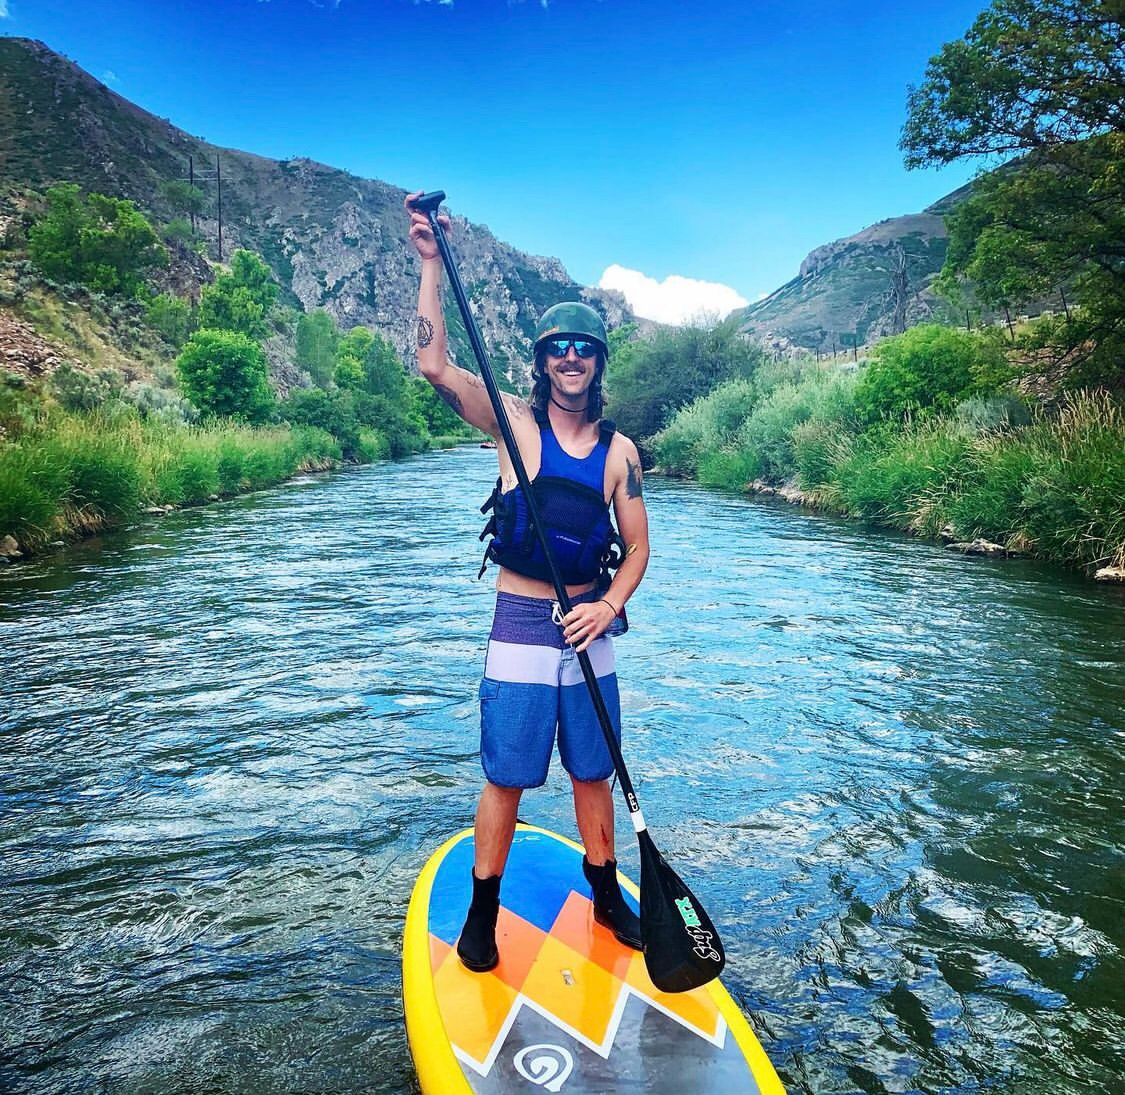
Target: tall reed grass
(66,474)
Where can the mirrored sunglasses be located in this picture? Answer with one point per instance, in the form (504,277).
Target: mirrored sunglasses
(557,347)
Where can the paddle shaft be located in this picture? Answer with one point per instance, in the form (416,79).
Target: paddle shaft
(429,204)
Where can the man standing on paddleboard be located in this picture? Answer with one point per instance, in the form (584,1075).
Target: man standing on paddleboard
(533,688)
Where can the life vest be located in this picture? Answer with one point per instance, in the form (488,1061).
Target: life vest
(570,495)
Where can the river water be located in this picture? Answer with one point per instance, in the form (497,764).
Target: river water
(230,739)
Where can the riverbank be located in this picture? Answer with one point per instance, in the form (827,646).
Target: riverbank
(1041,481)
(64,476)
(792,494)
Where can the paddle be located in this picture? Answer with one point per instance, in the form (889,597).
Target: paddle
(681,946)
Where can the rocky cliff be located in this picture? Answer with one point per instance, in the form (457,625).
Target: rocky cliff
(335,241)
(874,283)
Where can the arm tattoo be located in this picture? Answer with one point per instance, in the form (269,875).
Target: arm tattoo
(425,332)
(633,480)
(451,397)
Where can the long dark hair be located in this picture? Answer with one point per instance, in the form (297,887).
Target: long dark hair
(541,386)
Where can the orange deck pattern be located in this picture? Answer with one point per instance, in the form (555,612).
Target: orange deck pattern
(575,974)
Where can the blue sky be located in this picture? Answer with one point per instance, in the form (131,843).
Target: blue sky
(706,141)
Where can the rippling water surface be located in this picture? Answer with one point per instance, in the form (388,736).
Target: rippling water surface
(230,739)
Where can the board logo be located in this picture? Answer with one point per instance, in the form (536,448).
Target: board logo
(544,1065)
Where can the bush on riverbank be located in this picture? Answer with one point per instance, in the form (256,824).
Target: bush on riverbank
(69,473)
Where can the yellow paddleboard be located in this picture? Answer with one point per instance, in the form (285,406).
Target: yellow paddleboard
(568,1009)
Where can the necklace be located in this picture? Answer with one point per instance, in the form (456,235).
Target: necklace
(569,410)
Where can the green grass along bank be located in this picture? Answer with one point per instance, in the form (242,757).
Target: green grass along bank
(68,475)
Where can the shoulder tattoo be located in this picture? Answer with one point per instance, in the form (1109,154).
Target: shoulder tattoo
(634,479)
(425,332)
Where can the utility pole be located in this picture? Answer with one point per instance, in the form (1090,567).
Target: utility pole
(219,184)
(205,176)
(191,183)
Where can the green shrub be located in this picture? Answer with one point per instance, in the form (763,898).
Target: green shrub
(178,230)
(317,340)
(993,496)
(78,390)
(171,317)
(928,368)
(991,413)
(372,445)
(649,381)
(905,479)
(105,243)
(702,427)
(224,373)
(19,409)
(161,404)
(29,500)
(241,299)
(1073,503)
(822,394)
(819,448)
(729,469)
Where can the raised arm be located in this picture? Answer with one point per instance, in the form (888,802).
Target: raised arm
(462,390)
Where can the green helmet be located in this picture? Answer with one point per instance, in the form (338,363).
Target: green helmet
(572,318)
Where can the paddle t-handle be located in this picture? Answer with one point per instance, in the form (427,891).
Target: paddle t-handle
(428,203)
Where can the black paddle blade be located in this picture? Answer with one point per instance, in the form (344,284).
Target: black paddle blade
(682,947)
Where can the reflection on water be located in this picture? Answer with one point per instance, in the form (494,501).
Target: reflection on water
(230,739)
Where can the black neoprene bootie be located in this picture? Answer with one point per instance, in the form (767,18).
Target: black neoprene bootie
(477,946)
(610,907)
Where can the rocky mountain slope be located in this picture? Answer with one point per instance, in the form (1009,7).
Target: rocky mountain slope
(335,241)
(874,283)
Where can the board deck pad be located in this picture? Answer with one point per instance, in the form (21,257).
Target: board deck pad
(568,1009)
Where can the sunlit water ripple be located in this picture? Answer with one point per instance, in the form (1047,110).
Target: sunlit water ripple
(231,738)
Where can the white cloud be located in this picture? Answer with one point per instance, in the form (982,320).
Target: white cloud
(108,77)
(674,300)
(3,9)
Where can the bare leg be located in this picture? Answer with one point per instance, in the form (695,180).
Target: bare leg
(495,826)
(593,809)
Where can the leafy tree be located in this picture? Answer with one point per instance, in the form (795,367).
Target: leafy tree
(345,412)
(927,368)
(241,299)
(105,243)
(172,317)
(225,373)
(183,197)
(317,340)
(648,381)
(367,362)
(1040,80)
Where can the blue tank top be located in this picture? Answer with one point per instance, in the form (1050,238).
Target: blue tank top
(589,470)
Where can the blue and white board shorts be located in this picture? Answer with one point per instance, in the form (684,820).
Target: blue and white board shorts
(532,685)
